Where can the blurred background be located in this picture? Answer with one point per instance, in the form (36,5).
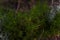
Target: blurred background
(29,20)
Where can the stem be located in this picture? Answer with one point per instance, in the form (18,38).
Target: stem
(18,5)
(41,35)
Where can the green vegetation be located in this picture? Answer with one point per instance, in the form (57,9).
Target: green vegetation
(28,25)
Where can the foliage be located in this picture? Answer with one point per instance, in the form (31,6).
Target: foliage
(28,25)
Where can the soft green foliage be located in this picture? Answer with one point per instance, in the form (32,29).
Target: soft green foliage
(56,23)
(27,25)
